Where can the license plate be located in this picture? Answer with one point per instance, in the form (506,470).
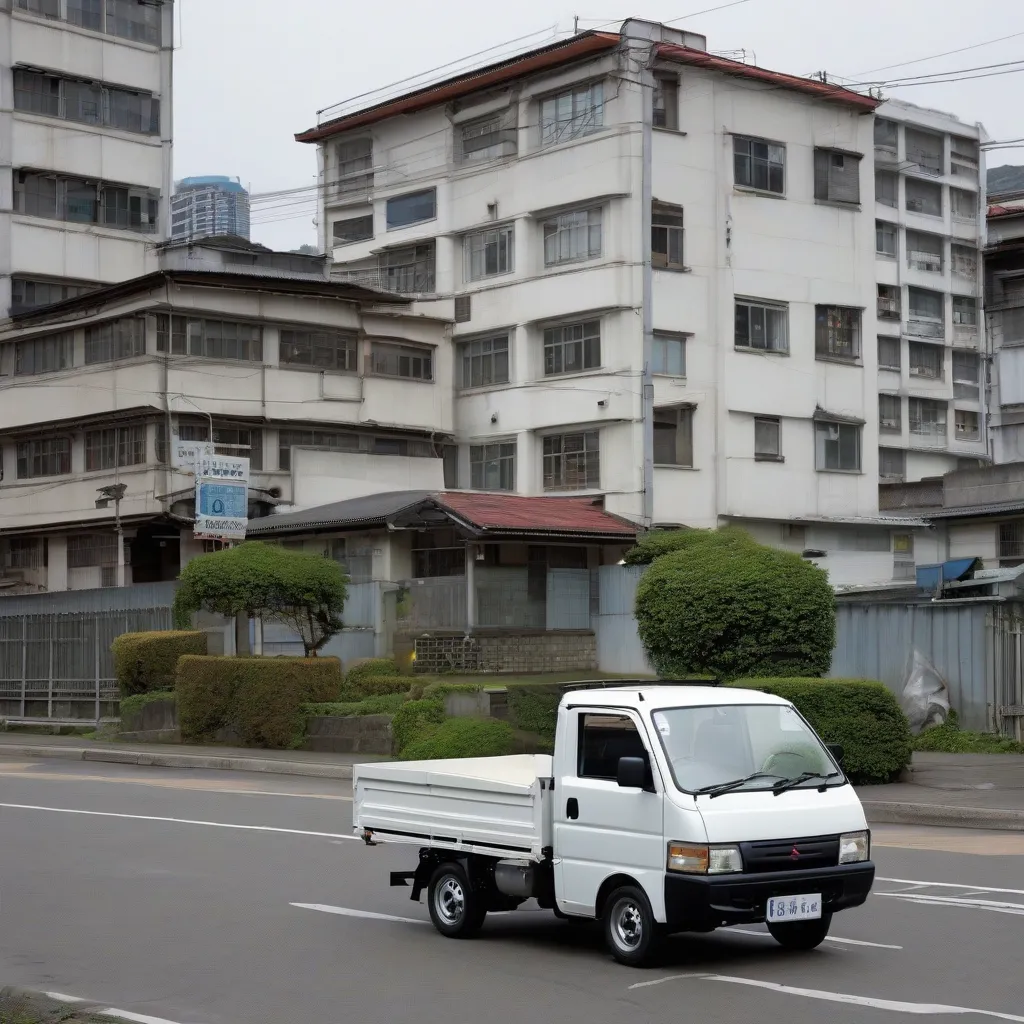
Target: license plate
(794,908)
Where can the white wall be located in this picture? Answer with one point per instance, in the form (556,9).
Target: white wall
(319,478)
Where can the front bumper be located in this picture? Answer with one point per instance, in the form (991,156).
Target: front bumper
(698,903)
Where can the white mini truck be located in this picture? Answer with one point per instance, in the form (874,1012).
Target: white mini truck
(663,809)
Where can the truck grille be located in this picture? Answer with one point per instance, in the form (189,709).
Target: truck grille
(790,854)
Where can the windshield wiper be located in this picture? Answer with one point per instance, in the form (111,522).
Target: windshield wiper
(781,787)
(719,788)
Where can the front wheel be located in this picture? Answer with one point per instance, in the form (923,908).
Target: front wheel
(455,908)
(630,930)
(801,935)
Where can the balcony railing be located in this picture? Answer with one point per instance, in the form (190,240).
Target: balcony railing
(928,435)
(965,335)
(967,392)
(927,162)
(885,153)
(967,432)
(925,328)
(964,265)
(888,308)
(397,280)
(928,261)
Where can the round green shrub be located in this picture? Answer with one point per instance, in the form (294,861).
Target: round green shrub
(730,607)
(414,718)
(534,708)
(663,542)
(145,662)
(461,737)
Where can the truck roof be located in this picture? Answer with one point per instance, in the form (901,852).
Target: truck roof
(661,696)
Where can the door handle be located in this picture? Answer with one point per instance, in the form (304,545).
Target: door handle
(572,808)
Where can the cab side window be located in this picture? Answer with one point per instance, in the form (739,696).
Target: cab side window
(603,739)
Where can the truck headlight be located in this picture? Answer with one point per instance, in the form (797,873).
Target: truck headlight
(854,847)
(697,859)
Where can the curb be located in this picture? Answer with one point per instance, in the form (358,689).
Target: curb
(49,1003)
(943,815)
(269,766)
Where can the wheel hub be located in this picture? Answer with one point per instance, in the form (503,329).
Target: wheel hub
(450,901)
(627,925)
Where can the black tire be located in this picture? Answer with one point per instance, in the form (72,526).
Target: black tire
(801,935)
(630,931)
(455,907)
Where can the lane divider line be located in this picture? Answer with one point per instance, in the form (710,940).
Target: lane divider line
(369,915)
(946,885)
(828,938)
(996,906)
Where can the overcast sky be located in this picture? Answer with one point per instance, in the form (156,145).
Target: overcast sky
(250,73)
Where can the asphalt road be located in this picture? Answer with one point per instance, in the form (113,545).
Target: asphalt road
(220,898)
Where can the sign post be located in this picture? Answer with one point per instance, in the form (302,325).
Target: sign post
(222,497)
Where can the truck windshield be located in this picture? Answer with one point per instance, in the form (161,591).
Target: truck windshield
(710,746)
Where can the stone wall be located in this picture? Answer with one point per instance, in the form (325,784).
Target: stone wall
(521,652)
(365,734)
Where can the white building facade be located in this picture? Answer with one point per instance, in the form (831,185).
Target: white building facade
(662,273)
(85,144)
(929,237)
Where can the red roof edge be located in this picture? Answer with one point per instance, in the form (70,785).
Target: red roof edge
(513,513)
(585,45)
(809,86)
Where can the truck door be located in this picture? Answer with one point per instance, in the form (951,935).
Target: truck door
(601,829)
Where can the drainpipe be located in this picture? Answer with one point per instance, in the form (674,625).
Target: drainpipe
(647,379)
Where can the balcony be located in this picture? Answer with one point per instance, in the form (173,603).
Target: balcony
(931,262)
(965,335)
(889,306)
(964,263)
(928,435)
(924,328)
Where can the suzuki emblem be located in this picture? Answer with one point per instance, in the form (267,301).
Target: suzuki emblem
(795,855)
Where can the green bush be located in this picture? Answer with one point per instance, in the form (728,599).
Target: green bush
(372,667)
(534,708)
(414,718)
(729,607)
(133,705)
(860,715)
(259,700)
(441,688)
(949,738)
(145,662)
(663,542)
(374,686)
(384,704)
(461,737)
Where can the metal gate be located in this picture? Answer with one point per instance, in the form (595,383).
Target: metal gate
(1008,672)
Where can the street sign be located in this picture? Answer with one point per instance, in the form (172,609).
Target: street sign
(185,454)
(222,497)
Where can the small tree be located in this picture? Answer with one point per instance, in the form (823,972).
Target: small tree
(731,607)
(306,592)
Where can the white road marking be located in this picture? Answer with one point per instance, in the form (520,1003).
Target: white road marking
(180,821)
(828,938)
(894,1006)
(945,885)
(996,906)
(109,1011)
(349,912)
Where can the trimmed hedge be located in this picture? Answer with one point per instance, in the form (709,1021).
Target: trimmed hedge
(384,704)
(414,718)
(460,737)
(372,667)
(374,686)
(663,542)
(861,715)
(534,708)
(145,662)
(259,700)
(441,688)
(134,704)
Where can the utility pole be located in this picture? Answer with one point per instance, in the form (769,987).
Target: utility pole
(115,493)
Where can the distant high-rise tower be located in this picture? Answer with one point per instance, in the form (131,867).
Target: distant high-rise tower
(211,204)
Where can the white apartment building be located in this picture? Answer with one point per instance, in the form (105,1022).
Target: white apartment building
(929,236)
(661,269)
(85,144)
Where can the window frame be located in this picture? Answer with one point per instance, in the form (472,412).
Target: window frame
(821,455)
(884,230)
(554,340)
(767,456)
(890,423)
(114,340)
(917,348)
(74,200)
(668,338)
(827,339)
(681,427)
(897,366)
(500,455)
(70,287)
(564,231)
(672,226)
(359,178)
(62,345)
(665,115)
(556,478)
(393,225)
(891,476)
(117,447)
(384,349)
(928,405)
(478,243)
(414,264)
(168,337)
(927,191)
(581,736)
(343,344)
(501,125)
(828,183)
(754,161)
(962,433)
(585,119)
(30,454)
(465,351)
(765,306)
(339,240)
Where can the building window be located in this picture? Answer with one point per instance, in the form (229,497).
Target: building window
(1011,541)
(964,261)
(409,270)
(927,418)
(354,160)
(963,157)
(438,553)
(669,354)
(572,462)
(487,138)
(324,440)
(760,325)
(572,236)
(46,8)
(393,359)
(24,553)
(892,464)
(836,176)
(572,348)
(926,305)
(886,135)
(924,197)
(89,550)
(492,467)
(888,302)
(355,229)
(768,438)
(44,355)
(412,208)
(966,425)
(667,236)
(83,201)
(965,311)
(484,361)
(209,339)
(489,253)
(666,102)
(673,436)
(966,376)
(889,353)
(114,447)
(926,360)
(890,413)
(837,332)
(44,456)
(337,351)
(885,238)
(572,114)
(837,447)
(129,19)
(33,293)
(116,339)
(241,442)
(924,150)
(886,188)
(924,252)
(759,164)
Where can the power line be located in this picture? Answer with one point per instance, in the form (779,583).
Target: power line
(940,74)
(708,10)
(935,56)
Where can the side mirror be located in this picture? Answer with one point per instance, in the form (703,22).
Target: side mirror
(631,773)
(837,753)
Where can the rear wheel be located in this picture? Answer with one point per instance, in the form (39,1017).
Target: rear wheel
(455,907)
(801,934)
(630,930)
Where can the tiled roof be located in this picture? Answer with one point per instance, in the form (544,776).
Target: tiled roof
(969,511)
(514,512)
